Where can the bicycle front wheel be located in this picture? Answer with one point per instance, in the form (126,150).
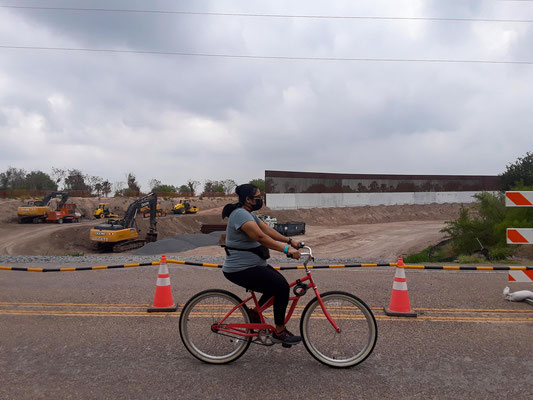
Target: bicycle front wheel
(203,311)
(358,330)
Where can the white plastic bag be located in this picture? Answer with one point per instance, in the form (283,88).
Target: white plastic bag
(521,295)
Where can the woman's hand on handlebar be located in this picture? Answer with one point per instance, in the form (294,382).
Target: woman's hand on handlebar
(293,253)
(296,244)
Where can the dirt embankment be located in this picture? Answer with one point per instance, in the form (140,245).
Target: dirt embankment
(343,232)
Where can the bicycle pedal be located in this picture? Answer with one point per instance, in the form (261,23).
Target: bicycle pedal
(287,346)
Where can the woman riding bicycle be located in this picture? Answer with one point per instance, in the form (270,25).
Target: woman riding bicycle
(247,242)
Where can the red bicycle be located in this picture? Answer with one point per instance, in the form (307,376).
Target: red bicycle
(337,328)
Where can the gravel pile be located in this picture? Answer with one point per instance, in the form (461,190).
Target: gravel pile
(179,243)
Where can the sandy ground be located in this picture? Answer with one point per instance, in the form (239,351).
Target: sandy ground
(359,233)
(379,242)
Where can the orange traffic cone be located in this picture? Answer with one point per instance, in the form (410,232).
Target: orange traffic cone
(399,301)
(163,292)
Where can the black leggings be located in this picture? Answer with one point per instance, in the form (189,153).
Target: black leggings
(268,281)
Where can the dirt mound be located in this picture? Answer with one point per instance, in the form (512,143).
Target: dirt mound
(368,214)
(8,210)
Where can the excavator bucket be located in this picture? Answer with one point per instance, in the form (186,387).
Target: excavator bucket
(151,237)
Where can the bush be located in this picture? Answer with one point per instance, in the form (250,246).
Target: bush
(471,259)
(441,252)
(486,228)
(418,257)
(500,253)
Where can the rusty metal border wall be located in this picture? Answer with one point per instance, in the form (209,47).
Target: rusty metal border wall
(317,182)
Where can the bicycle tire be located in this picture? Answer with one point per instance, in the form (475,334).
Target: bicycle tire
(358,335)
(199,314)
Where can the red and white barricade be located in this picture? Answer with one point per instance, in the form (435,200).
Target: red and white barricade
(521,276)
(519,199)
(519,235)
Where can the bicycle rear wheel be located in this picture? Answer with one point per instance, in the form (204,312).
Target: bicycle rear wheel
(358,330)
(200,313)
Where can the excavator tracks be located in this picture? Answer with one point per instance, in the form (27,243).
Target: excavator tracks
(120,247)
(130,245)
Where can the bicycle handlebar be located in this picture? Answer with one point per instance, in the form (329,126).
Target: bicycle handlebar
(300,246)
(309,253)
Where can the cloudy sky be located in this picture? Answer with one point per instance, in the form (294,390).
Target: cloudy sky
(349,95)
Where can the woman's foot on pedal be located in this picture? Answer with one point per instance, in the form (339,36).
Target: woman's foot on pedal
(285,337)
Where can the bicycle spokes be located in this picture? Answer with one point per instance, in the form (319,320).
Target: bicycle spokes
(354,340)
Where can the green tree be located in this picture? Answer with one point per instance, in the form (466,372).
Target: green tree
(97,188)
(106,188)
(75,180)
(260,183)
(164,189)
(153,183)
(133,186)
(192,185)
(38,180)
(184,189)
(95,183)
(213,186)
(518,173)
(12,179)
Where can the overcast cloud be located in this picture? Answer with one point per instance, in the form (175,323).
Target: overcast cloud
(178,117)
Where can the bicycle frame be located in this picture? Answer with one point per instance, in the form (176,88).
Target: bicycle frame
(242,329)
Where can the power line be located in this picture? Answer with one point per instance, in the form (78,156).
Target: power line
(258,57)
(268,15)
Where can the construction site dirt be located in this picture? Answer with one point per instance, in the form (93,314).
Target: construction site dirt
(378,233)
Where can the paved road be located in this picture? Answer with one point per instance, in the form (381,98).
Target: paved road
(86,335)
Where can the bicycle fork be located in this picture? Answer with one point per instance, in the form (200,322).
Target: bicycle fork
(322,305)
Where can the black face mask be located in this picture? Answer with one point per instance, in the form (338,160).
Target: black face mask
(258,204)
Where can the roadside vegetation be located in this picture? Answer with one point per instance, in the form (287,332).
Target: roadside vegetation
(479,235)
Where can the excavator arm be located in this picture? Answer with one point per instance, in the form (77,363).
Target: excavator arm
(53,195)
(149,200)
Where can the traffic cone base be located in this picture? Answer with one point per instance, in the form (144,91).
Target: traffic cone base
(163,292)
(399,314)
(399,302)
(162,309)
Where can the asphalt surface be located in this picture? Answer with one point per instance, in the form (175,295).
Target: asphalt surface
(87,335)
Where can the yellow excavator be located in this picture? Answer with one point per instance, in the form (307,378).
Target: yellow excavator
(122,235)
(103,211)
(184,207)
(37,211)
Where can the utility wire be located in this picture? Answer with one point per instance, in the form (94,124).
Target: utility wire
(267,15)
(257,57)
